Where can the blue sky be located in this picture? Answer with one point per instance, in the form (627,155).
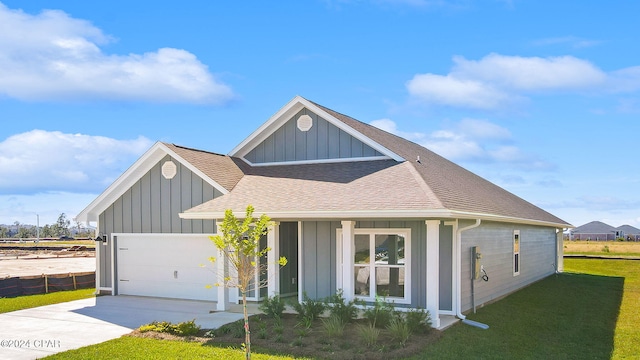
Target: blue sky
(539,97)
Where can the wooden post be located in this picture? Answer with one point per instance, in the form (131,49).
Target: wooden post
(46,284)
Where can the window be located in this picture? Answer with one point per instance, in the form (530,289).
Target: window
(381,264)
(516,252)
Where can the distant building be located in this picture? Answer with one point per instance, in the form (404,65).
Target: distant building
(599,231)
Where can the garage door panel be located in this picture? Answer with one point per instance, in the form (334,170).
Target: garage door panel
(166,266)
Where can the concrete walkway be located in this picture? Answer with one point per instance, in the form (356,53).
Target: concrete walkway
(42,331)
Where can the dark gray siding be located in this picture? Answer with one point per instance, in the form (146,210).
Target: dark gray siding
(537,259)
(446,267)
(323,141)
(152,205)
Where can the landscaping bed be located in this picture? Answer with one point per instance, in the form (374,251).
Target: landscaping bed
(289,336)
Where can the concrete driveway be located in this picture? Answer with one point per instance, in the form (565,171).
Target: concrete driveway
(42,331)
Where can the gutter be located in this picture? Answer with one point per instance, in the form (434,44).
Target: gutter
(459,277)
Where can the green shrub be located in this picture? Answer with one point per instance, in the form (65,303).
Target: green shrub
(380,314)
(236,329)
(273,306)
(185,328)
(344,310)
(309,308)
(399,330)
(418,320)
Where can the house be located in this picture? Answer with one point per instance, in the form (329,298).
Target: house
(355,209)
(628,232)
(599,231)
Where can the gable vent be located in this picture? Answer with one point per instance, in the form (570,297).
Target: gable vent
(169,170)
(305,122)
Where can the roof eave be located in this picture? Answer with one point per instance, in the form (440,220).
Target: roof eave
(368,214)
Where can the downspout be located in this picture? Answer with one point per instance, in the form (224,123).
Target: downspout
(459,276)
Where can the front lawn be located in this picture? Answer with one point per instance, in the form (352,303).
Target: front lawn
(31,301)
(588,312)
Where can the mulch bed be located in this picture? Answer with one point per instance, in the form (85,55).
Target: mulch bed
(293,339)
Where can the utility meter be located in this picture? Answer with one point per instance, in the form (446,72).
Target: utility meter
(475,262)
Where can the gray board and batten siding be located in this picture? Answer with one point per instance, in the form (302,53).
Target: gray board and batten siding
(495,240)
(152,205)
(319,258)
(322,141)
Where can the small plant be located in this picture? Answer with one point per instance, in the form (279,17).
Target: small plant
(278,328)
(236,329)
(333,326)
(399,330)
(279,338)
(380,314)
(303,332)
(339,307)
(369,334)
(418,320)
(309,308)
(185,328)
(297,342)
(273,306)
(305,322)
(605,248)
(262,333)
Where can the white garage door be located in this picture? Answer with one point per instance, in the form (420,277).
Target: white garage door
(166,265)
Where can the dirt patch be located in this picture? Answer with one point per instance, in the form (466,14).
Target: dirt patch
(290,337)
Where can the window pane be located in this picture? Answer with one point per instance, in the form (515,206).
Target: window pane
(361,255)
(389,249)
(361,280)
(390,281)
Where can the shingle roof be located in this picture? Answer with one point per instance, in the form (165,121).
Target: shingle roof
(594,227)
(456,188)
(222,169)
(628,229)
(432,184)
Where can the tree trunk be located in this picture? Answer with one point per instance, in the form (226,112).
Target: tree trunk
(247,333)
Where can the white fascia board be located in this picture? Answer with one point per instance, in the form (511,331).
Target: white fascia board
(291,108)
(318,161)
(147,161)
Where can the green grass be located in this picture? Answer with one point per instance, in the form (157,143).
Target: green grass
(132,348)
(627,331)
(31,301)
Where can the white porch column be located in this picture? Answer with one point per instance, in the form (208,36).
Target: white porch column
(560,250)
(433,271)
(221,272)
(273,268)
(347,259)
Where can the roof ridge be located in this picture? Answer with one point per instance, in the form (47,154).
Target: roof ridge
(193,149)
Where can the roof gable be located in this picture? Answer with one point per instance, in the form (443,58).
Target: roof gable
(199,162)
(325,139)
(594,227)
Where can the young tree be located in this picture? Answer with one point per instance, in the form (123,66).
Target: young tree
(239,242)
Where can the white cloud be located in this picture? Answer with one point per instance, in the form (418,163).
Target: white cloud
(573,41)
(52,56)
(38,161)
(498,81)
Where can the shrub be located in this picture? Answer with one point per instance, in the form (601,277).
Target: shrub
(236,329)
(273,306)
(309,309)
(333,326)
(185,328)
(418,320)
(346,311)
(380,314)
(399,330)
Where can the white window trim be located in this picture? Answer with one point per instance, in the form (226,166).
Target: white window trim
(516,233)
(406,233)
